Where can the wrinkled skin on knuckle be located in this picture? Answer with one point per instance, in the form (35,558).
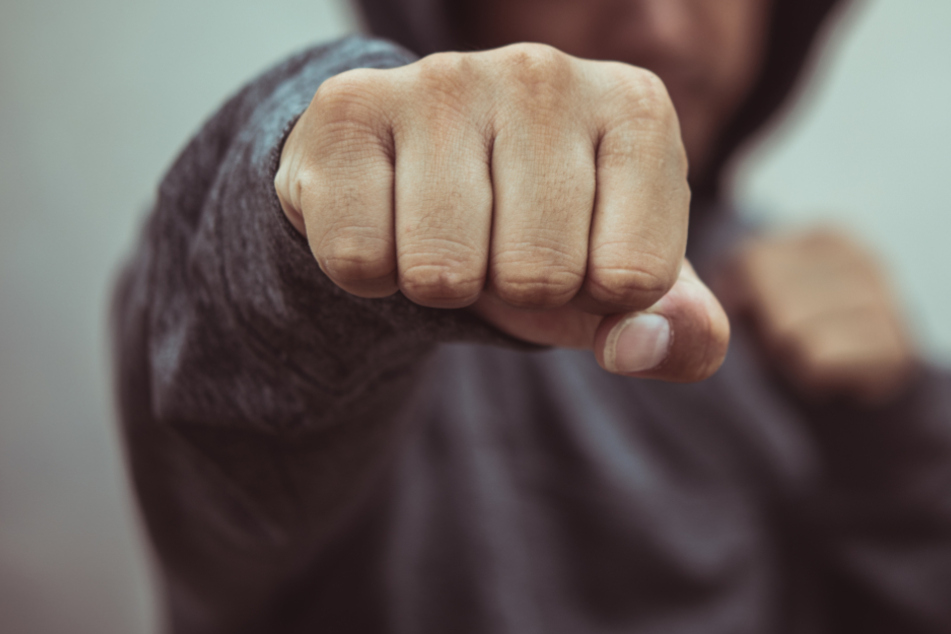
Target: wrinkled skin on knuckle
(440,285)
(537,78)
(633,285)
(538,293)
(439,88)
(647,96)
(639,115)
(536,285)
(349,137)
(446,277)
(350,117)
(632,92)
(535,63)
(353,96)
(450,73)
(350,257)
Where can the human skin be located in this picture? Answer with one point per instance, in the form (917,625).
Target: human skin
(707,52)
(547,191)
(824,313)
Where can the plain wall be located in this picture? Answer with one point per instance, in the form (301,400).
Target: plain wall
(96,98)
(869,148)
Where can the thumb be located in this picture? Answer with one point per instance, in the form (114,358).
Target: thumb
(682,338)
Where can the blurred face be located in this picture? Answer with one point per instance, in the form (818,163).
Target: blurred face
(707,52)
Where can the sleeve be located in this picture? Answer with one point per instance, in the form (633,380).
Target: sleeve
(258,401)
(885,511)
(244,329)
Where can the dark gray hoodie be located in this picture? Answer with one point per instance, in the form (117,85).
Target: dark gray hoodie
(307,461)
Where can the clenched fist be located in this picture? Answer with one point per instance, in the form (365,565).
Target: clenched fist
(547,193)
(825,315)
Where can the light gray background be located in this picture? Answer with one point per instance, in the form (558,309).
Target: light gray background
(97,96)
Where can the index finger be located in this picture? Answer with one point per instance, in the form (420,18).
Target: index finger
(639,227)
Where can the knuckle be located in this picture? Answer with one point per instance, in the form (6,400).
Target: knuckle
(541,284)
(348,257)
(521,291)
(351,104)
(535,59)
(443,102)
(638,93)
(443,105)
(446,72)
(649,95)
(638,115)
(538,72)
(441,280)
(342,96)
(634,284)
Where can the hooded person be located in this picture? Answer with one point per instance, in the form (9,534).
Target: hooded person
(309,460)
(430,26)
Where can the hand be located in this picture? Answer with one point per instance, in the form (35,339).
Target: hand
(546,192)
(825,314)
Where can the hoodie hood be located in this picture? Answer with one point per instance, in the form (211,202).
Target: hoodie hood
(424,27)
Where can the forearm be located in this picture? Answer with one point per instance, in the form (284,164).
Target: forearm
(243,326)
(258,400)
